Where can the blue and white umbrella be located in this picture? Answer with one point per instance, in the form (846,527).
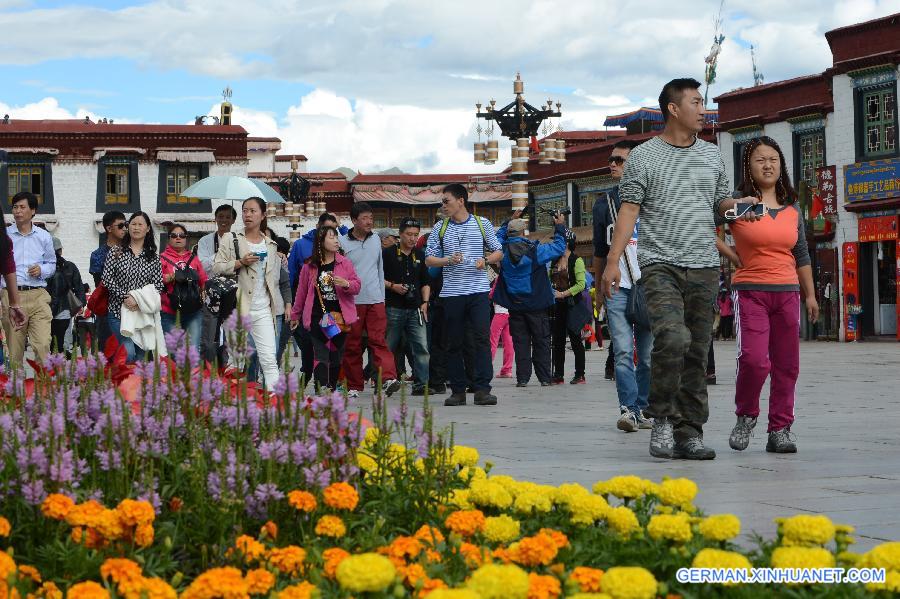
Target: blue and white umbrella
(235,189)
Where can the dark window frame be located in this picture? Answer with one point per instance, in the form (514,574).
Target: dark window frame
(48,205)
(162,204)
(797,137)
(859,133)
(134,192)
(738,154)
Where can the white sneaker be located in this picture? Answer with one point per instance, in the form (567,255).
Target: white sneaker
(627,422)
(391,386)
(352,394)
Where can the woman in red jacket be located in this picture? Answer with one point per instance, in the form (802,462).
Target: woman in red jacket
(766,288)
(328,283)
(184,279)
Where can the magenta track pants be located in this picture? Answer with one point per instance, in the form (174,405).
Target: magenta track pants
(500,330)
(768,339)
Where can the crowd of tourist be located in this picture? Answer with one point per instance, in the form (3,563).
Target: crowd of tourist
(385,308)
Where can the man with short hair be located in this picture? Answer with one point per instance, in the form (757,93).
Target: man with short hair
(363,248)
(675,182)
(211,346)
(632,383)
(35,263)
(458,245)
(115,226)
(408,292)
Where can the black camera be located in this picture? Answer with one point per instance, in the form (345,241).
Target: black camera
(410,291)
(554,212)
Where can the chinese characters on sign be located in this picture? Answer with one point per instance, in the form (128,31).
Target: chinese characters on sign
(851,290)
(877,228)
(875,180)
(827,178)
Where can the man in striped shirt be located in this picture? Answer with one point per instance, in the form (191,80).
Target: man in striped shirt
(458,245)
(675,183)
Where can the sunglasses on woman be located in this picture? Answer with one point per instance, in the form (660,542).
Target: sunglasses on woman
(177,236)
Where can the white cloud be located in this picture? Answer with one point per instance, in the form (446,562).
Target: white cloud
(47,108)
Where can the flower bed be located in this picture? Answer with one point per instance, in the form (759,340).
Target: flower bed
(169,481)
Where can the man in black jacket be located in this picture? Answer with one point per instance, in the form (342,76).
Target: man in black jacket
(66,278)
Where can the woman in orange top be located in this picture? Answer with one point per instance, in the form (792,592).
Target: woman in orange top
(766,288)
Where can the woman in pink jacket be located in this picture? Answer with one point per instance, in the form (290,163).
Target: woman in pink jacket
(328,283)
(184,279)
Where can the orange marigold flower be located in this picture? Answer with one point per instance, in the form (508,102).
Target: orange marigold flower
(57,506)
(89,537)
(303,501)
(412,574)
(135,513)
(465,523)
(429,535)
(220,583)
(304,590)
(333,558)
(472,554)
(588,579)
(405,548)
(432,556)
(5,527)
(251,549)
(341,496)
(558,537)
(31,573)
(331,526)
(85,513)
(503,555)
(109,524)
(87,590)
(288,560)
(143,535)
(270,530)
(120,570)
(543,587)
(259,581)
(157,588)
(539,550)
(431,584)
(7,565)
(49,590)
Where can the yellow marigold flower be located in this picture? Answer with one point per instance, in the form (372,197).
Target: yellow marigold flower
(543,587)
(622,520)
(341,496)
(87,590)
(84,514)
(677,491)
(453,594)
(675,527)
(716,558)
(57,506)
(303,501)
(109,524)
(587,509)
(804,530)
(465,523)
(143,535)
(886,555)
(505,481)
(330,526)
(558,537)
(566,492)
(218,583)
(288,560)
(720,527)
(539,550)
(371,437)
(501,529)
(472,554)
(460,499)
(628,583)
(429,535)
(135,513)
(269,530)
(367,572)
(157,588)
(843,529)
(849,558)
(333,558)
(7,565)
(624,487)
(304,590)
(802,557)
(530,502)
(499,582)
(473,472)
(464,456)
(259,581)
(366,462)
(588,579)
(489,493)
(250,548)
(5,527)
(891,583)
(30,572)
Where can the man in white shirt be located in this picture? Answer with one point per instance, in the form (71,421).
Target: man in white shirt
(206,253)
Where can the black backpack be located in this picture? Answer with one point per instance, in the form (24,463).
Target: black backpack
(185,295)
(221,292)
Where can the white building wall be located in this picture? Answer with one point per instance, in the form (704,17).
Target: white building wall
(726,149)
(261,161)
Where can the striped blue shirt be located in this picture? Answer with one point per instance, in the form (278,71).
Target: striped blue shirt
(465,237)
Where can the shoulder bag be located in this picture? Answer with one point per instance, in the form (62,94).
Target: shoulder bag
(636,309)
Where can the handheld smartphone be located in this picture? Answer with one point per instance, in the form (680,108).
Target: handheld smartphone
(743,207)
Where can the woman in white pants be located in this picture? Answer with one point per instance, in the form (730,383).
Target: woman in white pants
(258,269)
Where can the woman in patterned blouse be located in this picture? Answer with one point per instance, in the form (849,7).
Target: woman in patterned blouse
(131,266)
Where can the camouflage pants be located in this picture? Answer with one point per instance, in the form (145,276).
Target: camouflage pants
(680,303)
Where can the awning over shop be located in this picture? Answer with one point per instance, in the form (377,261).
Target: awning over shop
(404,194)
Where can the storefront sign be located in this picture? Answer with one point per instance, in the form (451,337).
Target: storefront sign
(879,228)
(875,180)
(850,255)
(827,178)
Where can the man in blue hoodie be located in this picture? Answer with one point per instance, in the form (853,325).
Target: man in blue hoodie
(301,250)
(524,289)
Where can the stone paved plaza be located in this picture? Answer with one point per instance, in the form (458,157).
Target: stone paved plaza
(847,423)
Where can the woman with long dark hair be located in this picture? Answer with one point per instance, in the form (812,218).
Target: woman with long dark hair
(131,267)
(184,277)
(12,313)
(328,284)
(766,288)
(258,271)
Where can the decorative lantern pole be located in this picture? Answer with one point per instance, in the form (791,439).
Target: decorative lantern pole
(519,121)
(295,188)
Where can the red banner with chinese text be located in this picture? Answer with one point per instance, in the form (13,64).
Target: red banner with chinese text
(850,255)
(877,228)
